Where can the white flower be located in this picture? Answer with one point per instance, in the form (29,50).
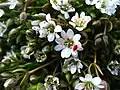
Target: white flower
(49,19)
(69,44)
(52,29)
(63,6)
(12,3)
(81,22)
(51,36)
(3,28)
(1,12)
(89,83)
(26,52)
(73,65)
(113,67)
(107,6)
(51,83)
(40,56)
(40,27)
(90,2)
(46,28)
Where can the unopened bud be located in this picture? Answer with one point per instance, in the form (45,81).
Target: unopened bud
(23,16)
(10,83)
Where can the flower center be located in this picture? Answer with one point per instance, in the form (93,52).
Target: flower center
(69,42)
(50,28)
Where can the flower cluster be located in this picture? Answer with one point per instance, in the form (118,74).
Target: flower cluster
(89,83)
(50,44)
(51,83)
(63,6)
(73,65)
(46,28)
(105,6)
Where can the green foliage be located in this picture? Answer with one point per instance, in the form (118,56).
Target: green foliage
(100,40)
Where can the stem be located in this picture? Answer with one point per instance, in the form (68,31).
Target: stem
(105,29)
(34,70)
(27,2)
(95,58)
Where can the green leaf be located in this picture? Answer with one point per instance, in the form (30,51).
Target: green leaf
(32,87)
(40,86)
(25,79)
(19,70)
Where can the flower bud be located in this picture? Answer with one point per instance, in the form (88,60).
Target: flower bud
(6,75)
(46,49)
(33,78)
(32,44)
(30,33)
(10,83)
(17,21)
(13,33)
(9,22)
(27,51)
(117,49)
(23,16)
(6,61)
(40,56)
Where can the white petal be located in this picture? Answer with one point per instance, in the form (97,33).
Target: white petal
(59,2)
(73,69)
(96,81)
(36,22)
(82,79)
(1,12)
(82,15)
(65,2)
(70,33)
(52,22)
(71,9)
(100,86)
(59,41)
(48,17)
(80,86)
(12,6)
(66,14)
(42,33)
(56,35)
(66,53)
(79,71)
(59,47)
(76,37)
(79,28)
(36,28)
(88,77)
(56,7)
(90,2)
(43,24)
(58,28)
(98,5)
(63,34)
(74,53)
(73,24)
(75,18)
(51,37)
(79,64)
